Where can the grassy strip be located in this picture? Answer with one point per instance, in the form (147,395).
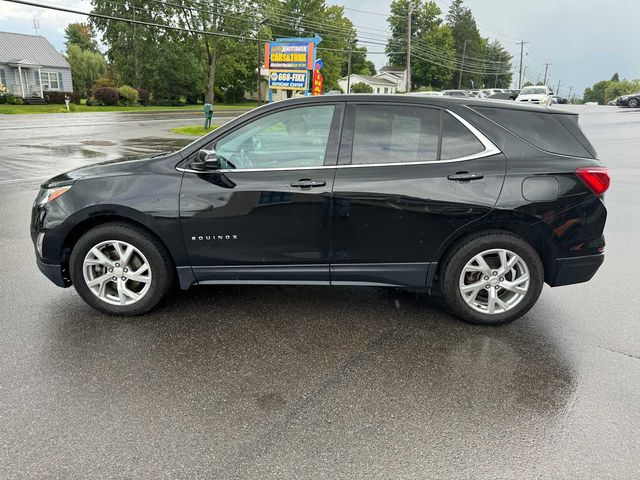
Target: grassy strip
(30,109)
(194,130)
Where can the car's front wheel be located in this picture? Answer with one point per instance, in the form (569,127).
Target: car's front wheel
(633,103)
(492,278)
(120,269)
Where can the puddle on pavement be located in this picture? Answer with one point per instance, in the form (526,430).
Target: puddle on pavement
(98,143)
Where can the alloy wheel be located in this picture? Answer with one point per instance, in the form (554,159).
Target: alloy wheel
(117,272)
(494,281)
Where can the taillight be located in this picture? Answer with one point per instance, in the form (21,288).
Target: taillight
(596,178)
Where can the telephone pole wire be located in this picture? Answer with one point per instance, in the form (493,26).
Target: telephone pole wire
(522,44)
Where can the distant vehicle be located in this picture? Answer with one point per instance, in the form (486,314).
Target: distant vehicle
(455,93)
(492,91)
(538,95)
(427,94)
(559,100)
(502,96)
(631,101)
(614,101)
(333,92)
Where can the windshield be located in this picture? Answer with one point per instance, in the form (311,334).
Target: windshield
(533,91)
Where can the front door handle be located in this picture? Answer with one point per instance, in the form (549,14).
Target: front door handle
(308,183)
(465,176)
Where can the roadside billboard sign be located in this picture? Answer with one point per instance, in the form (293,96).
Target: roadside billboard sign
(288,79)
(291,55)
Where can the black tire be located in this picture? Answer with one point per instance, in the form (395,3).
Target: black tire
(471,246)
(156,254)
(633,103)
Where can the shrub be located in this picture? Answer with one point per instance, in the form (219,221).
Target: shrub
(106,96)
(103,82)
(10,99)
(233,94)
(56,97)
(361,88)
(144,97)
(128,95)
(3,98)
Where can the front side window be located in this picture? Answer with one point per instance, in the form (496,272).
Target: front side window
(291,138)
(395,134)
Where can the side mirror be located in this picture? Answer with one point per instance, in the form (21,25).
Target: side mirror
(208,159)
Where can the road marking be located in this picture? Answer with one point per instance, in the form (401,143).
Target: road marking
(67,125)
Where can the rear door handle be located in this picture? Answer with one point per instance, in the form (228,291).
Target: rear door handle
(308,183)
(465,176)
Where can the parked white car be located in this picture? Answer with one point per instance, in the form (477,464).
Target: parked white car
(427,94)
(539,95)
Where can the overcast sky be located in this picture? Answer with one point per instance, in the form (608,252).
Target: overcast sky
(585,40)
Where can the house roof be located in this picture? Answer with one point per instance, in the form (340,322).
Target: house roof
(370,79)
(391,69)
(29,49)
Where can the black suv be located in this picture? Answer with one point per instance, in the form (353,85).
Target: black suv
(479,201)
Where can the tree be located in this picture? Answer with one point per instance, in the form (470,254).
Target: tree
(433,54)
(359,63)
(86,67)
(615,78)
(82,35)
(361,88)
(499,61)
(596,93)
(618,89)
(469,46)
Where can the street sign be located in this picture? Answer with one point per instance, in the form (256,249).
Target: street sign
(288,79)
(318,81)
(290,55)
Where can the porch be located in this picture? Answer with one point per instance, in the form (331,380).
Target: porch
(25,79)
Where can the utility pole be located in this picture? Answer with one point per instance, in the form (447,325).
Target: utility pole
(558,89)
(546,70)
(349,66)
(522,44)
(258,58)
(411,6)
(464,54)
(570,91)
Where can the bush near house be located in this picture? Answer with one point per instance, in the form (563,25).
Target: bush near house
(106,96)
(103,82)
(56,97)
(361,88)
(128,95)
(144,97)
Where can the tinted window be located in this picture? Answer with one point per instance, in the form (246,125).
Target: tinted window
(541,129)
(457,140)
(395,134)
(295,137)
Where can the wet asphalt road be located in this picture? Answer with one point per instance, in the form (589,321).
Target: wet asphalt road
(301,382)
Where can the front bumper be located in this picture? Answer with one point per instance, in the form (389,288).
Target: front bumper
(53,272)
(576,269)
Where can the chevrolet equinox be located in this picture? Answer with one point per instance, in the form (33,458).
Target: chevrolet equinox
(479,201)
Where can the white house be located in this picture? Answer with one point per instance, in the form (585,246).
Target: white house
(389,80)
(30,66)
(379,85)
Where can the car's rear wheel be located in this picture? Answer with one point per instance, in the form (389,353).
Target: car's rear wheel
(120,269)
(492,278)
(633,103)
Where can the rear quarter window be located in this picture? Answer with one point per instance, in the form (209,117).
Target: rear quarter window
(543,130)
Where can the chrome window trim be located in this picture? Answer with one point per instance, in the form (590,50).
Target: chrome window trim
(490,150)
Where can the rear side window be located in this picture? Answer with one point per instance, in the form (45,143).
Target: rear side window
(542,130)
(457,140)
(395,134)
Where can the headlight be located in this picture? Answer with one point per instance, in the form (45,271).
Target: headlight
(47,195)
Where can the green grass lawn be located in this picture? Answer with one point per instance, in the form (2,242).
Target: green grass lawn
(29,109)
(194,130)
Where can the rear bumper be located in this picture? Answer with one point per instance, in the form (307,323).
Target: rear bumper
(576,269)
(53,272)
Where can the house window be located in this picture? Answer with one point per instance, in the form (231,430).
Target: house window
(3,78)
(378,90)
(386,90)
(51,80)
